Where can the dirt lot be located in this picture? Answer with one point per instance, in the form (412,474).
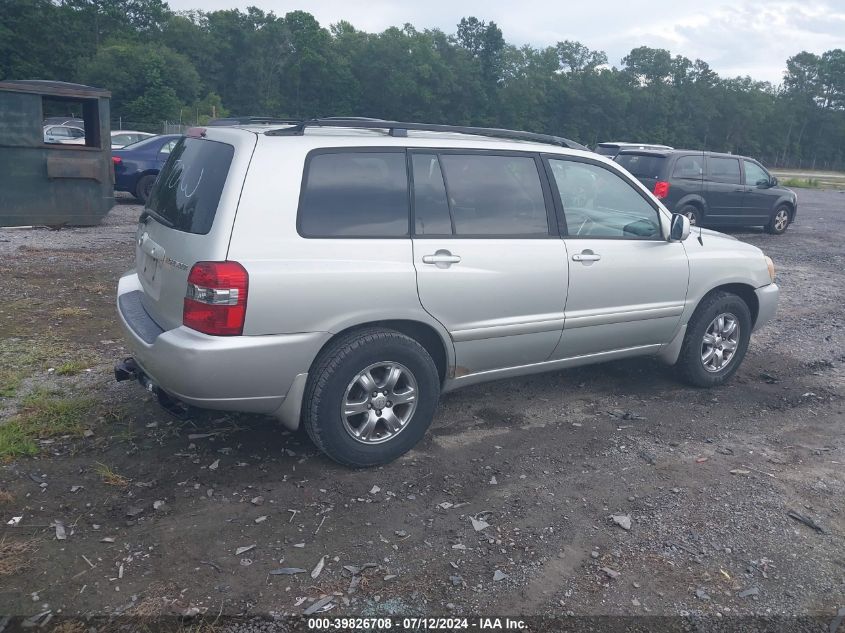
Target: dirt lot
(154,511)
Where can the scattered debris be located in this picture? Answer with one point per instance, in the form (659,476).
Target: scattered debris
(246,562)
(61,534)
(648,457)
(701,594)
(244,549)
(499,575)
(14,521)
(622,520)
(611,573)
(158,505)
(257,501)
(214,465)
(287,571)
(76,488)
(133,511)
(318,569)
(740,471)
(375,490)
(445,505)
(802,518)
(751,591)
(107,539)
(324,604)
(479,524)
(493,481)
(211,563)
(261,519)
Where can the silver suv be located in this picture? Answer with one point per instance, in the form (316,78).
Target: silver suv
(342,274)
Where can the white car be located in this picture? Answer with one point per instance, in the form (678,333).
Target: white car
(64,134)
(342,274)
(122,138)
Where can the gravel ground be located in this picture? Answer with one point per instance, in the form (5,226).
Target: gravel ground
(504,508)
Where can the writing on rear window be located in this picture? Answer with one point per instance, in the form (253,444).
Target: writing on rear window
(187,192)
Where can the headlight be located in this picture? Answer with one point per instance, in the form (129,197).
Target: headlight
(771,265)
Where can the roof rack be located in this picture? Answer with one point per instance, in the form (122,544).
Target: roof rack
(401,129)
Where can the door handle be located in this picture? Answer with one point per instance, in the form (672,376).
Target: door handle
(441,258)
(586,256)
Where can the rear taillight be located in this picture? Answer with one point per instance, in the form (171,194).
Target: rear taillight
(116,160)
(661,189)
(215,302)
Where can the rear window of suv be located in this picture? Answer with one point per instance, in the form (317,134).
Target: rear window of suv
(188,189)
(642,165)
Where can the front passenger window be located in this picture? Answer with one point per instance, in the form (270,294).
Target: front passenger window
(598,203)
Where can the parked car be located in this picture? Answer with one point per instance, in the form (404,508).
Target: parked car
(612,148)
(63,120)
(341,277)
(137,166)
(122,138)
(64,134)
(714,189)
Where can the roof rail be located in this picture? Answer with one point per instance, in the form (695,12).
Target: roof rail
(401,129)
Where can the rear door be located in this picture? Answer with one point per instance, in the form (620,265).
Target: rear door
(724,190)
(188,218)
(490,266)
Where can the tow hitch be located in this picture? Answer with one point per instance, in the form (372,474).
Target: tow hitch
(128,369)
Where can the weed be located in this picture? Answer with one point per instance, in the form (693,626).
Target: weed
(15,556)
(807,183)
(110,476)
(42,415)
(6,497)
(10,380)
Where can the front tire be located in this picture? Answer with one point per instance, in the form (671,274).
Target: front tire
(370,398)
(780,220)
(716,340)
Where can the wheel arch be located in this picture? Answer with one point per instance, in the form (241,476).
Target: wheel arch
(423,333)
(693,199)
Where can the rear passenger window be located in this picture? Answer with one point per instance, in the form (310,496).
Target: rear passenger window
(431,208)
(495,195)
(689,167)
(355,194)
(723,169)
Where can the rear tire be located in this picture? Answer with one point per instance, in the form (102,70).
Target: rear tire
(362,427)
(693,214)
(780,220)
(708,342)
(144,187)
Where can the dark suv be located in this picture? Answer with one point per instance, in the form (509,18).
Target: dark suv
(714,189)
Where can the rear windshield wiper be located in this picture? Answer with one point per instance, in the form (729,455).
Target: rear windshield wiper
(157,217)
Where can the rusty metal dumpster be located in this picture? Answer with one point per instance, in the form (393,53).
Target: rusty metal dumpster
(46,181)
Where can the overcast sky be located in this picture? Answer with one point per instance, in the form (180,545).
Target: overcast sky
(743,37)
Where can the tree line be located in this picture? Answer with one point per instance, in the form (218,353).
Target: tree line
(187,66)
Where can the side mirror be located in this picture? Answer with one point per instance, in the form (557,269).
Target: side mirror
(773,182)
(679,229)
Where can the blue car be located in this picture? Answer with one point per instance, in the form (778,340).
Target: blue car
(136,166)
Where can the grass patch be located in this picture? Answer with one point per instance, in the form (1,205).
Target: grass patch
(110,476)
(807,183)
(10,380)
(72,367)
(70,311)
(16,441)
(43,416)
(15,556)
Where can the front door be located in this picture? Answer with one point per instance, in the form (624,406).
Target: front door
(759,199)
(489,265)
(627,284)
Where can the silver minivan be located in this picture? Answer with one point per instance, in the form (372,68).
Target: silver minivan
(342,274)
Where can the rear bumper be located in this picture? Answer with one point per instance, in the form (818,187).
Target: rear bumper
(235,373)
(767,301)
